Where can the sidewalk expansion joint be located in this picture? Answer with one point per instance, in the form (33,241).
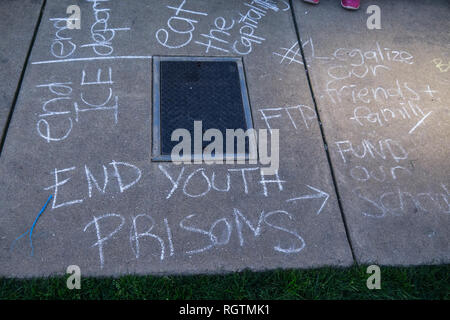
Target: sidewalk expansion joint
(22,74)
(327,151)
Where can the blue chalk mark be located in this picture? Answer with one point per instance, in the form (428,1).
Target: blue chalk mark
(32,227)
(35,221)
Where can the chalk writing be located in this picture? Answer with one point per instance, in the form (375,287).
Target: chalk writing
(30,231)
(443,67)
(62,45)
(205,183)
(221,36)
(291,54)
(62,110)
(101,34)
(399,201)
(363,174)
(100,238)
(363,115)
(121,170)
(216,234)
(369,149)
(308,115)
(179,24)
(317,195)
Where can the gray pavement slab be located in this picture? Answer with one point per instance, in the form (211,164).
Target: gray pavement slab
(17,22)
(82,132)
(382,95)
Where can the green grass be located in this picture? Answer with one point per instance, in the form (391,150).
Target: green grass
(424,282)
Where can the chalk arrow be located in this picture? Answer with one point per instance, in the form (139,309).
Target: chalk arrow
(318,195)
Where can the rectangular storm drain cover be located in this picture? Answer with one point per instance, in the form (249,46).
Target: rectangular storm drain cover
(188,89)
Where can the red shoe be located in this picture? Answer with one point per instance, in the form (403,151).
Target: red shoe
(312,1)
(350,4)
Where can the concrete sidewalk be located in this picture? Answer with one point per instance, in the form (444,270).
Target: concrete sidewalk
(383,97)
(364,156)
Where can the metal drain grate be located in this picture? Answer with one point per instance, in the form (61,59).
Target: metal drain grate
(188,89)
